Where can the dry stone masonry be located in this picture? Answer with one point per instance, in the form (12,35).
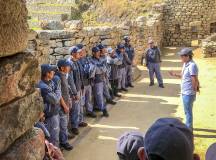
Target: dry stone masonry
(209,46)
(187,20)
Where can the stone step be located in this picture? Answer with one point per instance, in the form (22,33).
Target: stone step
(50,7)
(49,16)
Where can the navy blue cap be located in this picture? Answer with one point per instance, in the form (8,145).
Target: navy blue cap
(45,68)
(80,46)
(170,139)
(100,46)
(95,49)
(120,46)
(74,49)
(63,63)
(185,51)
(129,144)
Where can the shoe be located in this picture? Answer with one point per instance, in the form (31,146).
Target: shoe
(105,113)
(161,86)
(119,90)
(83,124)
(117,95)
(130,85)
(67,146)
(96,109)
(151,84)
(71,136)
(111,102)
(91,114)
(75,131)
(124,89)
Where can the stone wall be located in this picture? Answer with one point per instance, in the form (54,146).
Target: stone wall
(209,46)
(139,30)
(187,20)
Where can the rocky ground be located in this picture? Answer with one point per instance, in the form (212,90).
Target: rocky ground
(140,107)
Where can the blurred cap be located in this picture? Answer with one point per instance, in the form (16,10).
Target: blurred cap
(101,46)
(95,49)
(109,50)
(45,68)
(63,63)
(120,46)
(74,49)
(170,139)
(80,46)
(126,38)
(185,51)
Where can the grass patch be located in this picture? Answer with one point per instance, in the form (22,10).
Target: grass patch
(47,12)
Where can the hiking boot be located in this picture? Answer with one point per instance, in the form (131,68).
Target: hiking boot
(117,95)
(67,146)
(105,113)
(124,89)
(151,84)
(75,131)
(91,114)
(83,124)
(130,85)
(111,102)
(161,86)
(96,109)
(71,136)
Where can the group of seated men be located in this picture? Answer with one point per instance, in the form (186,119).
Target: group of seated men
(81,84)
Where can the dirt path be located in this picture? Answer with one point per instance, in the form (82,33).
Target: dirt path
(142,105)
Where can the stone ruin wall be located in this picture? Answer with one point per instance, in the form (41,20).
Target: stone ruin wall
(187,20)
(209,46)
(140,31)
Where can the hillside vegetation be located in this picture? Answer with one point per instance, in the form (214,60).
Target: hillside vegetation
(116,11)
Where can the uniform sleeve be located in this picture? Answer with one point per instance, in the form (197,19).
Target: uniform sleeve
(50,96)
(71,84)
(193,69)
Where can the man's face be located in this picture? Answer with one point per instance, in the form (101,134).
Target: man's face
(103,52)
(76,56)
(112,54)
(151,45)
(97,55)
(50,75)
(65,69)
(122,50)
(184,58)
(83,53)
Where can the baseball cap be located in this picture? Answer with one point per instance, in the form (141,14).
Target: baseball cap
(129,143)
(80,46)
(95,49)
(126,38)
(63,63)
(100,46)
(74,49)
(170,139)
(211,152)
(121,46)
(185,51)
(109,50)
(45,68)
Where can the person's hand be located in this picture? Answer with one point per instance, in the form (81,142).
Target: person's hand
(66,109)
(171,73)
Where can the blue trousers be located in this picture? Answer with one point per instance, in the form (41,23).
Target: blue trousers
(121,78)
(129,75)
(87,95)
(154,68)
(52,125)
(99,98)
(188,101)
(63,134)
(106,92)
(76,113)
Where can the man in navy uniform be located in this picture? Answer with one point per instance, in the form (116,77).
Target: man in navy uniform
(77,114)
(130,52)
(51,95)
(153,61)
(60,79)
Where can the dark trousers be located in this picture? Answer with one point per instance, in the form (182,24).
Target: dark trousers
(114,86)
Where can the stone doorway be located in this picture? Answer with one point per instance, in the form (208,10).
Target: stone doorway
(213,27)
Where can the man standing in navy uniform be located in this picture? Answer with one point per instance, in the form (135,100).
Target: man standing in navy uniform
(130,52)
(153,60)
(51,95)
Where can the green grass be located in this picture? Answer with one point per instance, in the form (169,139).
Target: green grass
(47,12)
(36,28)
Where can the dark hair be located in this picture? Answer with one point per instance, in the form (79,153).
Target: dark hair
(154,157)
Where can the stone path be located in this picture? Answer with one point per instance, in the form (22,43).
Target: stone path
(139,108)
